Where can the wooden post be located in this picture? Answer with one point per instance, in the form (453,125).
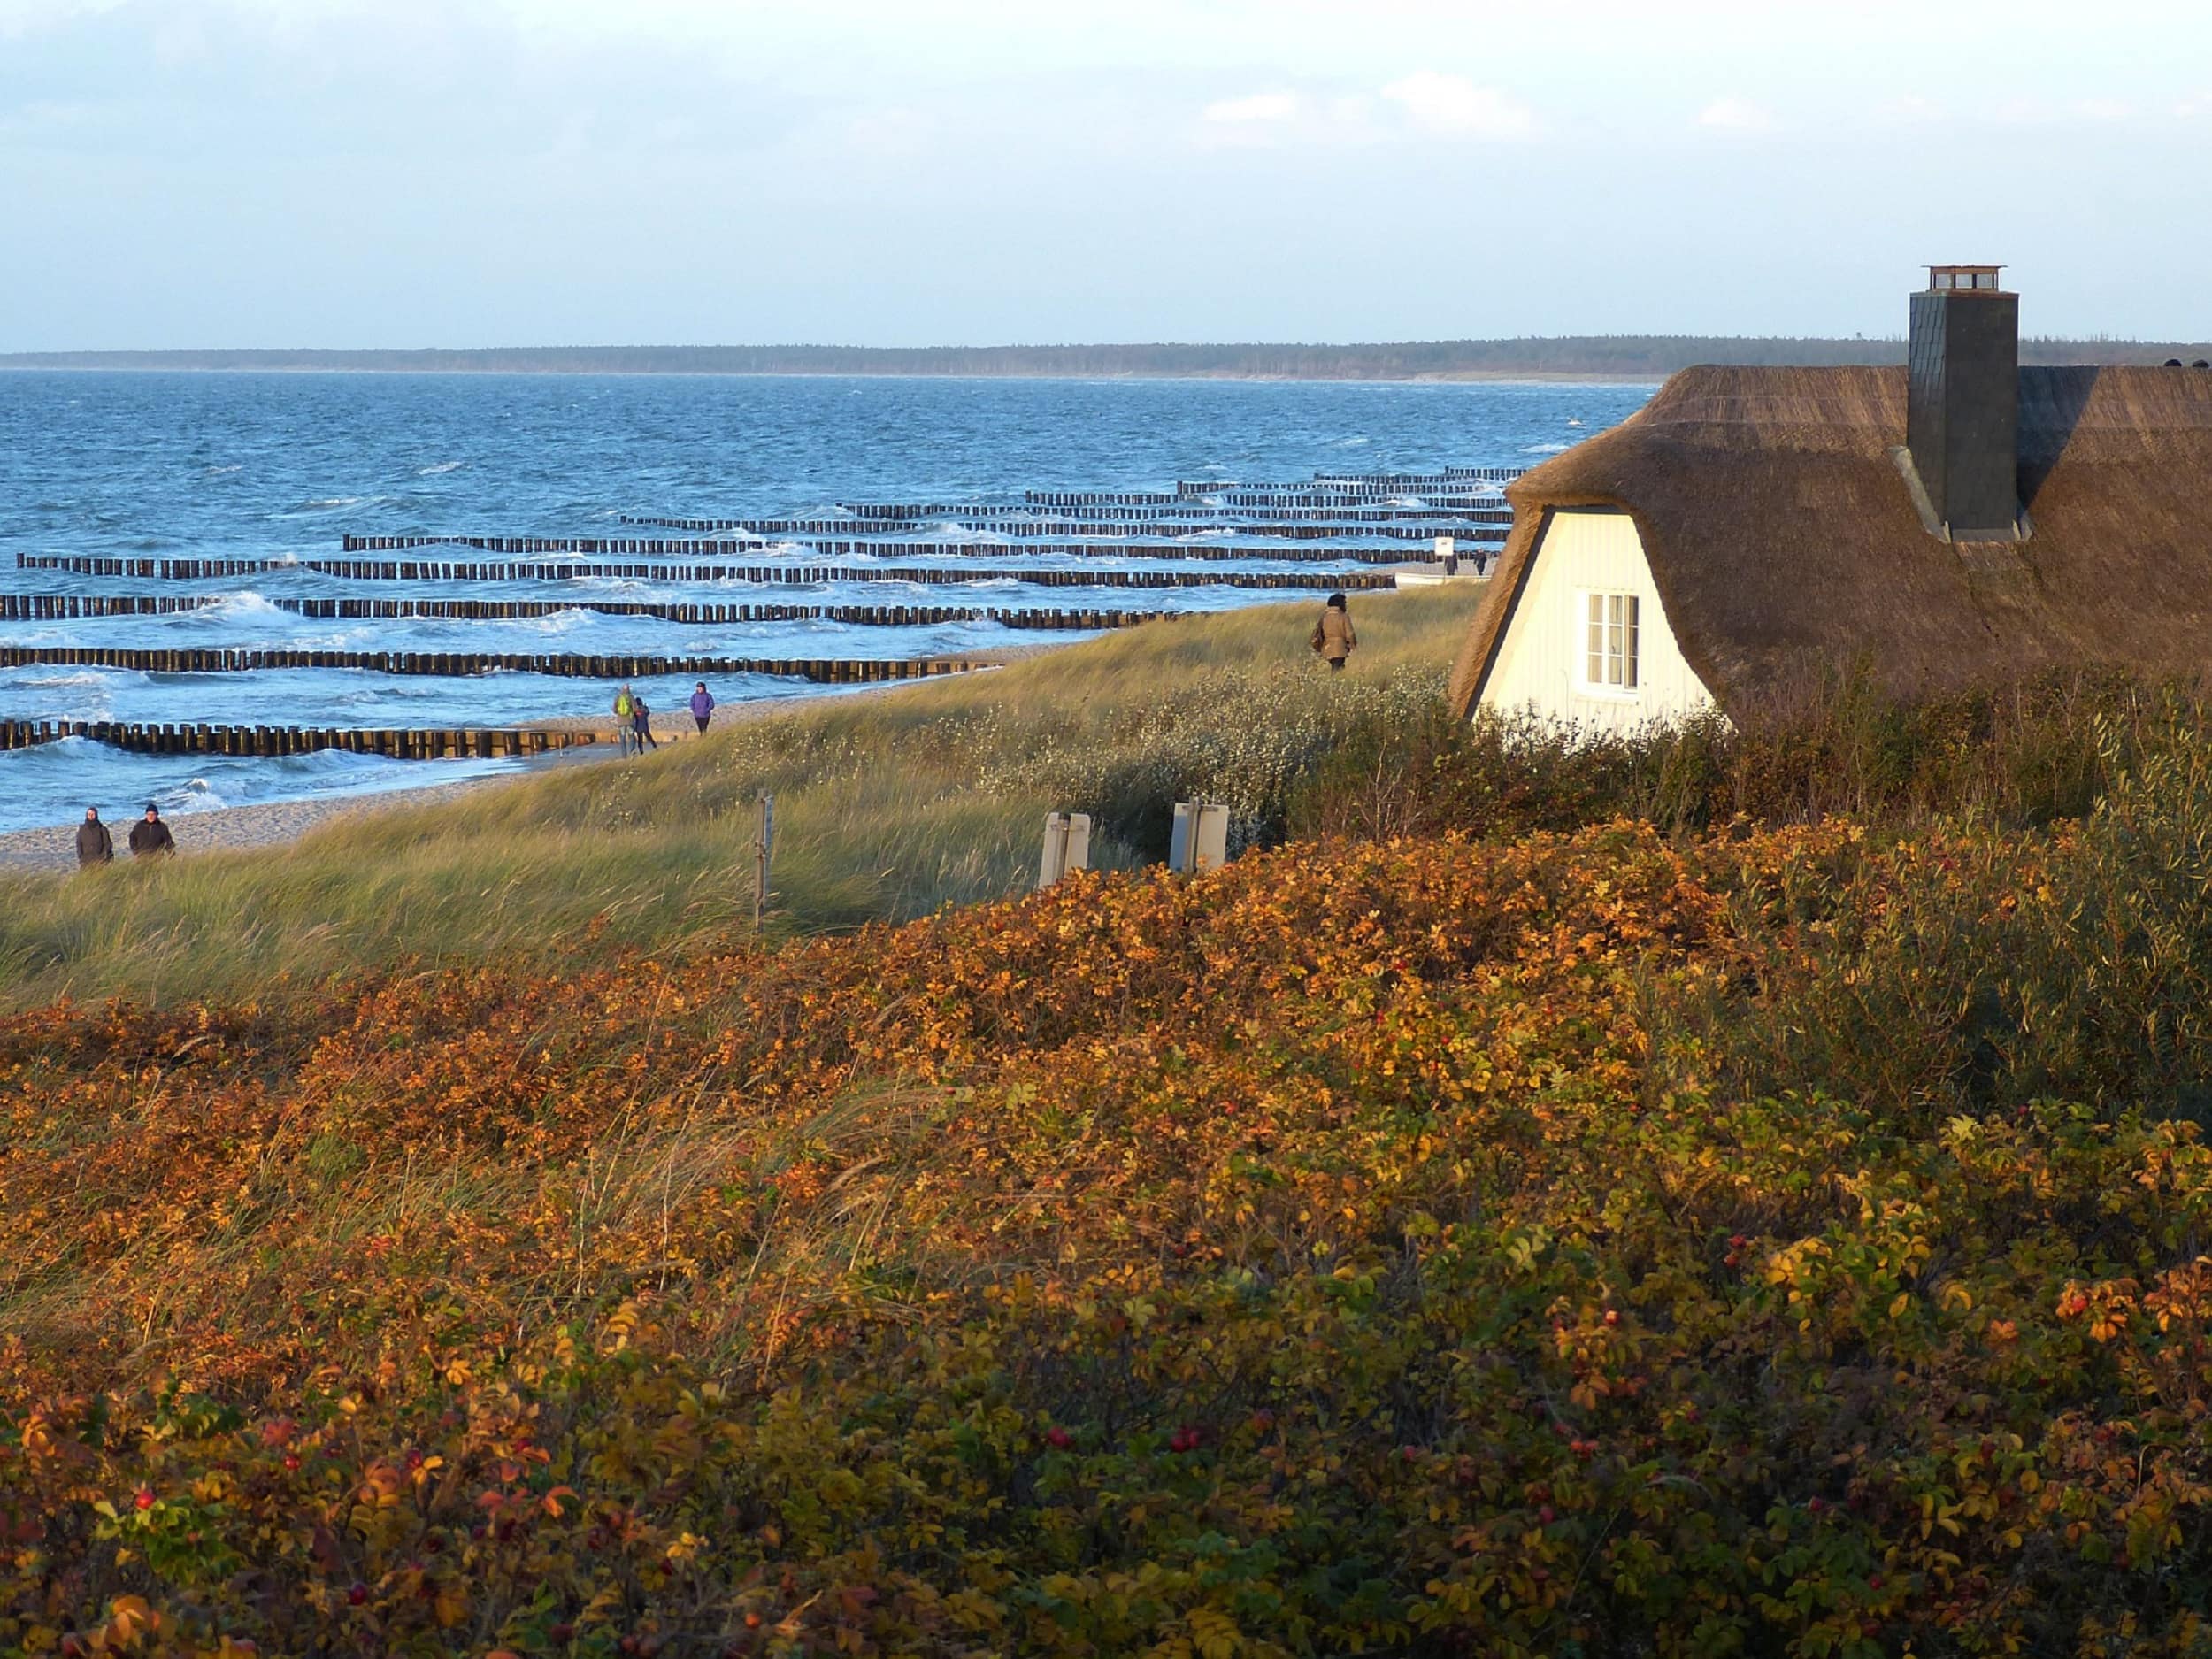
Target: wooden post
(763,854)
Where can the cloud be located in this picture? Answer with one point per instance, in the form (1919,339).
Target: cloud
(23,17)
(1909,111)
(1263,106)
(894,135)
(1735,115)
(1454,106)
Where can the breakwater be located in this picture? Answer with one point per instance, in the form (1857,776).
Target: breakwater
(790,575)
(390,742)
(70,607)
(223,660)
(846,545)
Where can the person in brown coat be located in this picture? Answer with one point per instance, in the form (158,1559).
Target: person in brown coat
(1334,636)
(95,845)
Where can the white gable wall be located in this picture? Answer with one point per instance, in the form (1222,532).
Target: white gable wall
(1540,661)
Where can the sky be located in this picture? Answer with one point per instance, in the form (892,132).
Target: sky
(360,173)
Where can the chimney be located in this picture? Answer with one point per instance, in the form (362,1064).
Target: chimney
(1963,416)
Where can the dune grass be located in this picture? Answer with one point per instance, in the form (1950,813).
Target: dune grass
(889,805)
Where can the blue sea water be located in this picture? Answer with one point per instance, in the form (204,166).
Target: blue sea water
(259,465)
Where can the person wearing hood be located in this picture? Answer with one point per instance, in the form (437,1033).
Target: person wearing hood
(151,836)
(1334,636)
(95,845)
(702,706)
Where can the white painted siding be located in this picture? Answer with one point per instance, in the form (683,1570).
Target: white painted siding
(1540,661)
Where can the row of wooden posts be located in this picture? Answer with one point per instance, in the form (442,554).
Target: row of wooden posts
(1475,485)
(1068,546)
(1405,524)
(1409,524)
(784,575)
(231,660)
(1061,535)
(415,743)
(1265,520)
(67,606)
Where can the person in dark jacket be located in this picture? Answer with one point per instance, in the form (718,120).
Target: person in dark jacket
(640,724)
(150,835)
(702,706)
(95,845)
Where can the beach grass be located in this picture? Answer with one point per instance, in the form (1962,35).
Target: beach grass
(889,805)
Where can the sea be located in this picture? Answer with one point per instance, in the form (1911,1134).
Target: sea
(280,466)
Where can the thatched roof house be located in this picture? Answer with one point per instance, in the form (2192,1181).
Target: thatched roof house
(1750,523)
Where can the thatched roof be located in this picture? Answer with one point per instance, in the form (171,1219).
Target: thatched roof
(1783,534)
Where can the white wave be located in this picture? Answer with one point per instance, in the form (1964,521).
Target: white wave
(62,751)
(950,530)
(323,501)
(1546,448)
(217,472)
(105,679)
(231,607)
(196,796)
(442,467)
(1353,443)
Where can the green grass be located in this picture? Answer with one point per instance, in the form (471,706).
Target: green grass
(889,806)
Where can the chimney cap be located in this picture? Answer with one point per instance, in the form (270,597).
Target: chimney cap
(1964,279)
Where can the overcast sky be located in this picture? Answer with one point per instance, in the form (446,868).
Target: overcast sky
(461,172)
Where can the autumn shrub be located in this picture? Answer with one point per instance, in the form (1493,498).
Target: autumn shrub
(2031,753)
(1605,1243)
(1954,971)
(1244,739)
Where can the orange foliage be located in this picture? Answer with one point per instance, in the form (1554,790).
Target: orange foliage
(1345,1250)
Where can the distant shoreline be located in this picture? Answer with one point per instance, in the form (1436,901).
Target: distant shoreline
(1592,358)
(1502,377)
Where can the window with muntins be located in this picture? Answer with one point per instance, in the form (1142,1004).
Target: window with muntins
(1609,649)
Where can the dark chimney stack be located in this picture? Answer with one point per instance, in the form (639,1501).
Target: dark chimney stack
(1963,419)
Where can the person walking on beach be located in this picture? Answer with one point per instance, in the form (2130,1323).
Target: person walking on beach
(1334,636)
(702,706)
(95,845)
(640,724)
(150,835)
(625,711)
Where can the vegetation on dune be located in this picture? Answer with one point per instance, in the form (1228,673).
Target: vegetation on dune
(888,806)
(1718,1189)
(1766,1240)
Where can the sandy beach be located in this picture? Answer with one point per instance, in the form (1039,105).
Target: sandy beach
(273,822)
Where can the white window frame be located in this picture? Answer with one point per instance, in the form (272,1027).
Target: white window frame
(1609,627)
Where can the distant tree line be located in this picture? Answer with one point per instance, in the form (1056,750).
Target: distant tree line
(1632,356)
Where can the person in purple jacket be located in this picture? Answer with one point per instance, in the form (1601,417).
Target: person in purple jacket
(702,706)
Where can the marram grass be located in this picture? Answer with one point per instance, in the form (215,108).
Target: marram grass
(889,806)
